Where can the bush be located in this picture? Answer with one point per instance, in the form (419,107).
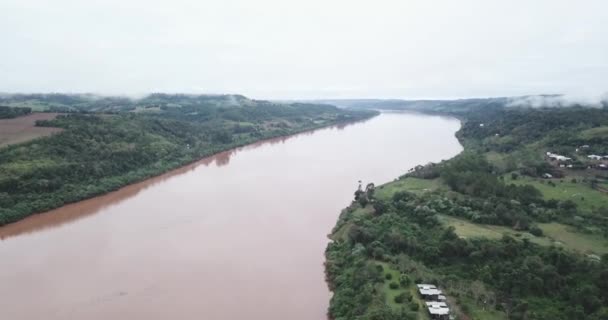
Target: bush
(414,306)
(404,280)
(400,298)
(394,285)
(388,276)
(536,231)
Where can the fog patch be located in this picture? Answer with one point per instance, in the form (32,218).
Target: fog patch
(559,101)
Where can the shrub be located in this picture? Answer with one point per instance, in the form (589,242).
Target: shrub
(400,298)
(388,276)
(404,280)
(414,306)
(536,231)
(394,285)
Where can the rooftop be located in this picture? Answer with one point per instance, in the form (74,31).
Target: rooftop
(435,304)
(439,311)
(426,286)
(430,292)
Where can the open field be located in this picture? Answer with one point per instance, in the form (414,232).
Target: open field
(467,229)
(582,242)
(585,197)
(36,105)
(594,132)
(497,159)
(478,313)
(555,234)
(24,128)
(415,185)
(390,294)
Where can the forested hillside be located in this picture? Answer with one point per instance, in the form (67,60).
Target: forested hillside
(9,113)
(507,230)
(110,142)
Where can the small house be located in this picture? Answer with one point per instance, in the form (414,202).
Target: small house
(428,291)
(436,304)
(594,157)
(547,176)
(558,157)
(439,311)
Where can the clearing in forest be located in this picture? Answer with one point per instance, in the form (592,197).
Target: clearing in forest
(24,128)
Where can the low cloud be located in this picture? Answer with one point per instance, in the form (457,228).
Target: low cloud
(559,101)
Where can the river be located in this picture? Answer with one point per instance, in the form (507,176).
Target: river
(240,235)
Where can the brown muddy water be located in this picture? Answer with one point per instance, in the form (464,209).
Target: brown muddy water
(240,235)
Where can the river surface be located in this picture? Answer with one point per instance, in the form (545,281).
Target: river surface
(240,235)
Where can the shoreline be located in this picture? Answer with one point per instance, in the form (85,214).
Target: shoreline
(331,285)
(79,209)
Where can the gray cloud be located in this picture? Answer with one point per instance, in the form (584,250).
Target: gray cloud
(306,49)
(559,101)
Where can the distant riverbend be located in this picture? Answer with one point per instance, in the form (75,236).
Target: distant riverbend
(239,235)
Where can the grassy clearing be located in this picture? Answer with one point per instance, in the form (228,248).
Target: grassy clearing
(357,211)
(594,132)
(390,294)
(582,194)
(478,313)
(35,105)
(555,234)
(569,238)
(467,229)
(499,160)
(414,185)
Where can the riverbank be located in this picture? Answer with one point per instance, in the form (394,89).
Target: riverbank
(157,252)
(99,153)
(73,211)
(475,228)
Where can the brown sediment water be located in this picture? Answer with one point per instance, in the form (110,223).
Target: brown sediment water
(240,235)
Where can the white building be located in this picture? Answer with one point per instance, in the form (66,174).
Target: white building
(594,157)
(557,157)
(438,310)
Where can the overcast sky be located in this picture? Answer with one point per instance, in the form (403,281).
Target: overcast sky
(306,48)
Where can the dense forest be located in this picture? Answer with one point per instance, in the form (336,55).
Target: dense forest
(9,113)
(111,142)
(477,226)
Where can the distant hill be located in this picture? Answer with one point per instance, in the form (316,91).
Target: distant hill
(461,105)
(95,103)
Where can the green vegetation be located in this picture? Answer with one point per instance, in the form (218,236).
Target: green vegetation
(597,132)
(581,193)
(571,238)
(9,113)
(100,152)
(469,230)
(499,239)
(411,184)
